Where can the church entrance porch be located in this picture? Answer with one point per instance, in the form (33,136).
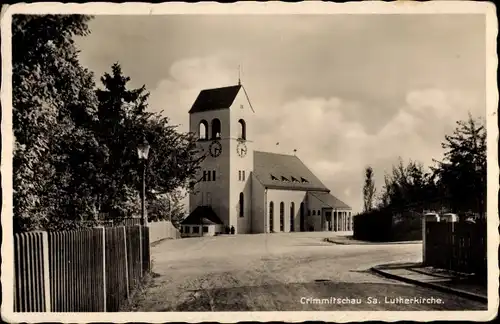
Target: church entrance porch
(335,220)
(327,221)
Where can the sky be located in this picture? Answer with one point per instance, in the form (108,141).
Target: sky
(346,91)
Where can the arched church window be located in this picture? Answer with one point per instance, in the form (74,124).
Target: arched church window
(282,216)
(314,212)
(203,130)
(242,130)
(271,216)
(242,204)
(302,218)
(216,129)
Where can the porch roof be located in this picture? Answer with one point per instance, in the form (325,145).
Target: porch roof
(329,200)
(202,215)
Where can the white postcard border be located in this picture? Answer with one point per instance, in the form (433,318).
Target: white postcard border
(308,7)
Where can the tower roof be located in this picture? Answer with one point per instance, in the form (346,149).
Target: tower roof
(215,99)
(282,171)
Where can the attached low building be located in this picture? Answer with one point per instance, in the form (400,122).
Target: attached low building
(201,222)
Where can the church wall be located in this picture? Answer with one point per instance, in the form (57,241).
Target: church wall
(287,197)
(315,206)
(259,210)
(238,163)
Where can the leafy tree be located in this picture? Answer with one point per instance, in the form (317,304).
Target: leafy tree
(123,123)
(75,146)
(369,189)
(53,101)
(168,207)
(462,173)
(409,187)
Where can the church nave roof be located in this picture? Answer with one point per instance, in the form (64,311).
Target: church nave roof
(282,171)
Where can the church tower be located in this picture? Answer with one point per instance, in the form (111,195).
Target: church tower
(222,120)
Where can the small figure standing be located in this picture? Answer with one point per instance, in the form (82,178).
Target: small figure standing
(232,229)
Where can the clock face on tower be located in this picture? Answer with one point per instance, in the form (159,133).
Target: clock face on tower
(241,149)
(215,149)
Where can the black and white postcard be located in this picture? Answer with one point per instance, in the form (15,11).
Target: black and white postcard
(189,162)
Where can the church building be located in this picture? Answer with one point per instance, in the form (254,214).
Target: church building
(248,190)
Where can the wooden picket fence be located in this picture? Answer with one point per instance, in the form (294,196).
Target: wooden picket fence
(88,270)
(456,246)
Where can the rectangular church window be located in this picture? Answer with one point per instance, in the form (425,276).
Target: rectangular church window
(243,175)
(204,175)
(205,229)
(213,175)
(196,229)
(208,176)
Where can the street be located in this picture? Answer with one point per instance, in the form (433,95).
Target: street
(283,272)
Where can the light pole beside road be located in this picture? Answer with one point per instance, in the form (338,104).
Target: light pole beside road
(142,153)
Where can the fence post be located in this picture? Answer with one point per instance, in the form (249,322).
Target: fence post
(104,266)
(424,230)
(46,273)
(126,261)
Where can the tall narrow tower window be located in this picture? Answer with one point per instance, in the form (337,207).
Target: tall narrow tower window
(203,130)
(216,129)
(242,130)
(242,204)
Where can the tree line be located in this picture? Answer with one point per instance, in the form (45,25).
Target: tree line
(75,141)
(455,184)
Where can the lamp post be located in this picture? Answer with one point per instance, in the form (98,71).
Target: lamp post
(142,153)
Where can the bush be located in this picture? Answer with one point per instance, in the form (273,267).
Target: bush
(383,226)
(374,225)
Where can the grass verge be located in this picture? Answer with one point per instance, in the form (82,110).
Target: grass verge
(139,293)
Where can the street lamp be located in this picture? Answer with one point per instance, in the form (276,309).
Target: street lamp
(142,153)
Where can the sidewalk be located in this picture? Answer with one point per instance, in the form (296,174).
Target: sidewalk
(349,240)
(451,282)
